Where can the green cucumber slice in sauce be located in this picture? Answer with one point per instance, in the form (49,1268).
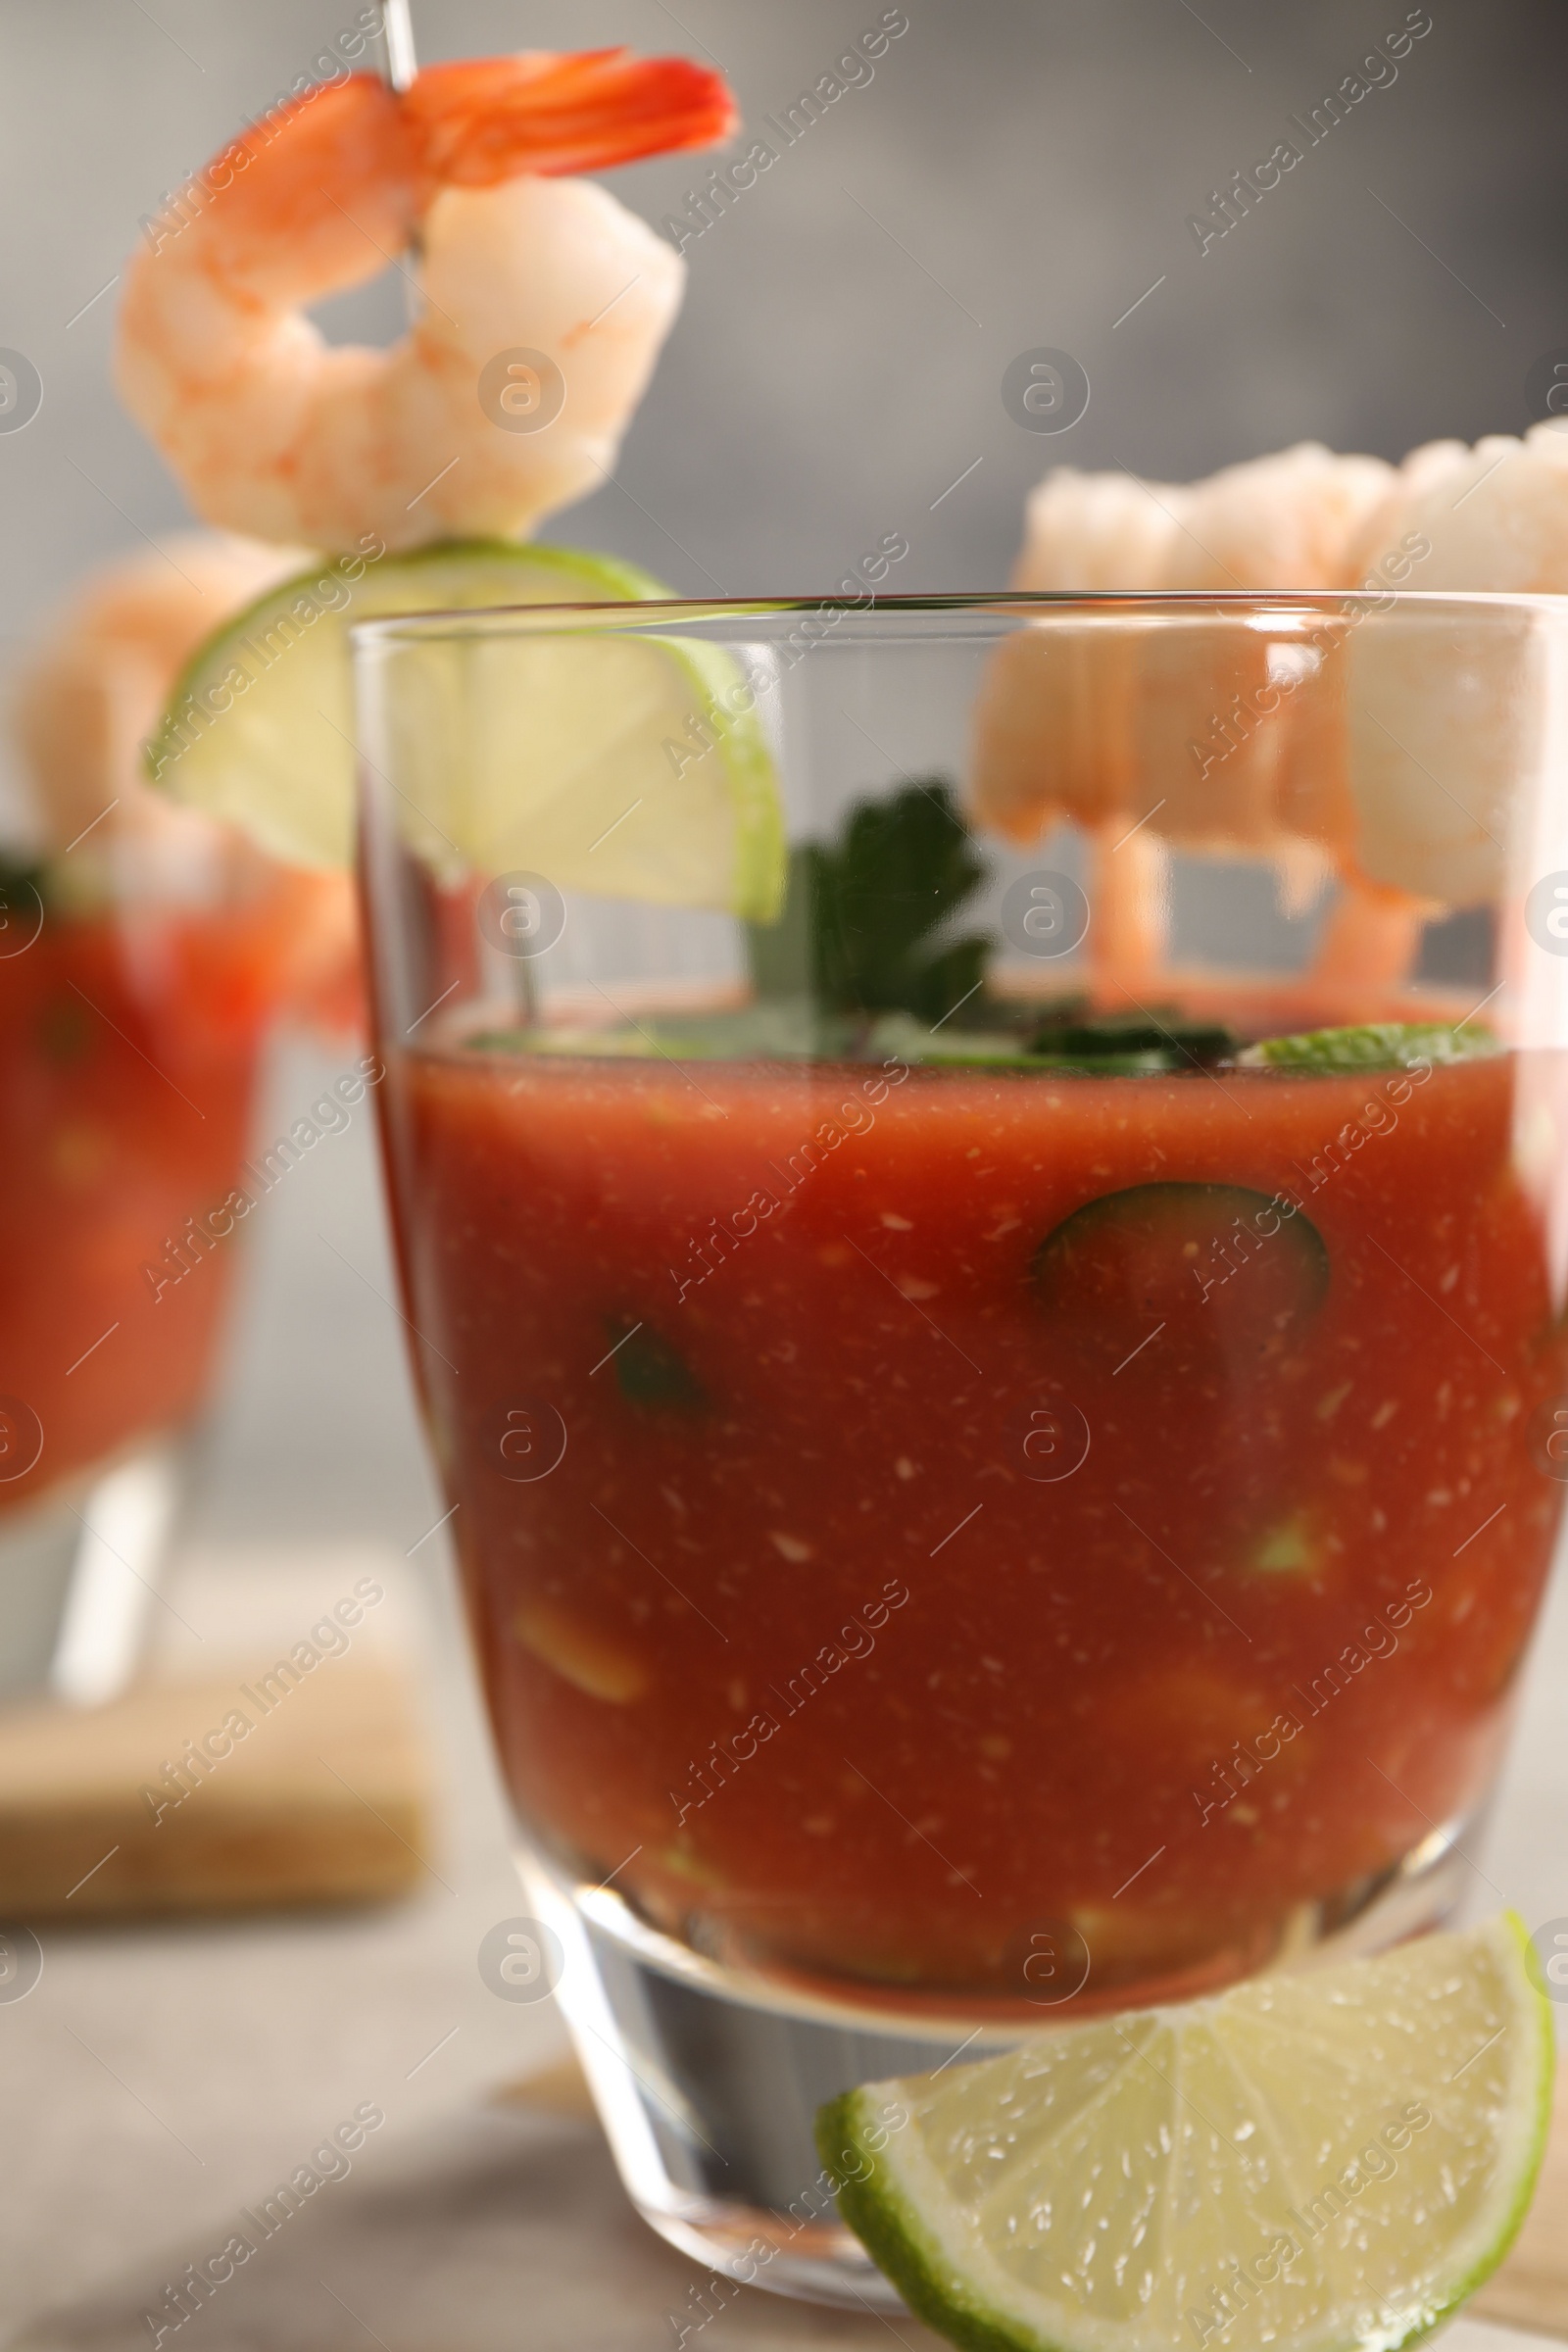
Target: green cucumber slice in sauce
(651,1372)
(1192,1257)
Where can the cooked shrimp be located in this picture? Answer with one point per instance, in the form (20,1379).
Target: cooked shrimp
(1105,733)
(94,682)
(1283,521)
(1495,516)
(1053,725)
(1150,697)
(1393,755)
(1089,532)
(1438,731)
(1371,938)
(1202,735)
(92,687)
(1052,722)
(274,433)
(1439,725)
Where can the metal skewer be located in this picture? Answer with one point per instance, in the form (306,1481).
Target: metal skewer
(400,66)
(397,34)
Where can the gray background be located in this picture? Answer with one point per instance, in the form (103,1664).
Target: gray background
(1016,174)
(1031,164)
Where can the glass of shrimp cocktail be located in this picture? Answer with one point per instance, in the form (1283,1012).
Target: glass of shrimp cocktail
(979,1191)
(147,957)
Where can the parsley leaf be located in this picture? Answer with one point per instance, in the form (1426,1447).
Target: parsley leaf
(857,930)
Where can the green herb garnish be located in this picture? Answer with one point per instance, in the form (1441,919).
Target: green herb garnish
(863,963)
(1156,1040)
(857,930)
(1378,1046)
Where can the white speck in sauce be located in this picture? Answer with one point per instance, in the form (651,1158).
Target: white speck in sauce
(914,1286)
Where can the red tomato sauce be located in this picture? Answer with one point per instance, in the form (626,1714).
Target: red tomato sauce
(936,1597)
(127,1056)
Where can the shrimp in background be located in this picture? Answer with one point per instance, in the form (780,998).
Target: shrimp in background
(92,686)
(95,681)
(1438,733)
(1278,523)
(1495,516)
(274,433)
(1082,532)
(1339,780)
(1099,726)
(1282,521)
(1093,531)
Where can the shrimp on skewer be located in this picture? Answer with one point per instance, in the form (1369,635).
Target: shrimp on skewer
(273,433)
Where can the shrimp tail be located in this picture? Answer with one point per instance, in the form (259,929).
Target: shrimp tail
(480,121)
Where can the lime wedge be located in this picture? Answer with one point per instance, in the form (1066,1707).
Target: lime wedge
(1379,1046)
(632,766)
(636,768)
(1327,2161)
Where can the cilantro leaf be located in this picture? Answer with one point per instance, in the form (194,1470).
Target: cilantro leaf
(857,930)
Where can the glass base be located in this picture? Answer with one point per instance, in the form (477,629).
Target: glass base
(708,2082)
(78,1573)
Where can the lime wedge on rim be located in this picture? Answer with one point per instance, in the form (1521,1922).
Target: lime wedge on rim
(1328,2161)
(635,767)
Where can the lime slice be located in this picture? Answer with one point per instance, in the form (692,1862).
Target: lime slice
(630,768)
(1380,1045)
(1325,2161)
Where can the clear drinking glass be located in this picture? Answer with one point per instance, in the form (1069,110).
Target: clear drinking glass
(982,1495)
(139,976)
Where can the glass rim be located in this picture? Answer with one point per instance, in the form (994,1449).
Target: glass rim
(625,614)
